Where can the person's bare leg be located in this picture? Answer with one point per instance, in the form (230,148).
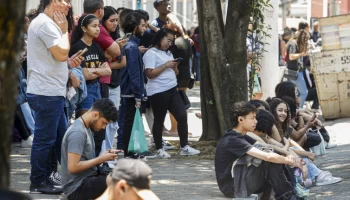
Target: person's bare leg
(302,140)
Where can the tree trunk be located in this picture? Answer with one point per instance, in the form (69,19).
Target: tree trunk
(223,62)
(11,45)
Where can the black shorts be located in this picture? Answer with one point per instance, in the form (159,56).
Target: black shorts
(91,188)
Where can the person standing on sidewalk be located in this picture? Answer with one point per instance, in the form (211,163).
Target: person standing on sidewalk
(48,48)
(132,76)
(161,71)
(110,47)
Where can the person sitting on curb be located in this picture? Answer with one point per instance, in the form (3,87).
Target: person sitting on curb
(244,180)
(131,180)
(80,176)
(263,132)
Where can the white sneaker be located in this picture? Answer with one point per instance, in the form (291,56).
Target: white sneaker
(27,143)
(189,151)
(161,153)
(329,145)
(327,179)
(167,145)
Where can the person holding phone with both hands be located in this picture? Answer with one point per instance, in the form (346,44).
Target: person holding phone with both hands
(161,70)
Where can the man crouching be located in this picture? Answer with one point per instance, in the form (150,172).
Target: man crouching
(80,176)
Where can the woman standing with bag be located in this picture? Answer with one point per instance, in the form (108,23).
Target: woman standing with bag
(161,70)
(297,48)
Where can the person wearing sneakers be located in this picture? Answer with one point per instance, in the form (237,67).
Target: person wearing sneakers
(81,178)
(131,180)
(161,70)
(236,175)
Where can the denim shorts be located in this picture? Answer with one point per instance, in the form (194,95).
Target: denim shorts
(93,93)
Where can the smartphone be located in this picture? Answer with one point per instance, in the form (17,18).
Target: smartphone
(83,52)
(126,36)
(313,117)
(179,59)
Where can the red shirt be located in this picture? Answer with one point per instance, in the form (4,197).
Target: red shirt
(105,41)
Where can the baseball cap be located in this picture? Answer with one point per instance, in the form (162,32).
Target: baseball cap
(137,174)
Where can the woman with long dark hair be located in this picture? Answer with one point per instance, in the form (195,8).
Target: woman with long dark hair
(95,64)
(161,70)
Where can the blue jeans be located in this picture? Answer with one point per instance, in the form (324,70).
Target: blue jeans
(120,144)
(93,94)
(198,68)
(28,116)
(50,127)
(313,170)
(301,86)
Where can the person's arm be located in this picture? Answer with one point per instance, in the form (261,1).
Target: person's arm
(292,50)
(107,43)
(271,157)
(75,165)
(57,43)
(154,73)
(276,134)
(297,134)
(133,71)
(117,64)
(89,75)
(176,70)
(102,70)
(300,123)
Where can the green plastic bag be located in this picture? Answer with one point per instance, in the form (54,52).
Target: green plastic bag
(137,143)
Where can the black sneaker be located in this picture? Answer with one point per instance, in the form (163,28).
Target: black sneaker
(137,156)
(148,155)
(55,179)
(105,169)
(44,188)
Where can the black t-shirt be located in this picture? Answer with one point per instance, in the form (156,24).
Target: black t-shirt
(182,49)
(146,40)
(297,64)
(93,57)
(231,146)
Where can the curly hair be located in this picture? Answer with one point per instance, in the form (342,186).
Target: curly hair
(285,88)
(281,126)
(106,108)
(241,109)
(265,122)
(257,103)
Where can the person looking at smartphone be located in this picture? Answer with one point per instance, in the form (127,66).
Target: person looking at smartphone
(161,71)
(80,176)
(95,64)
(132,76)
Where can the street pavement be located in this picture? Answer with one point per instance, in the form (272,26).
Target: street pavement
(194,179)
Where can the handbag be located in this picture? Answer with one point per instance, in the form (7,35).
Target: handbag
(185,99)
(191,83)
(137,142)
(291,74)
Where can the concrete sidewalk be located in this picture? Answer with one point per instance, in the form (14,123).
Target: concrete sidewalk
(194,179)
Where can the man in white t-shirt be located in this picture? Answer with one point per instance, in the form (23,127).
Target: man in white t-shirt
(48,47)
